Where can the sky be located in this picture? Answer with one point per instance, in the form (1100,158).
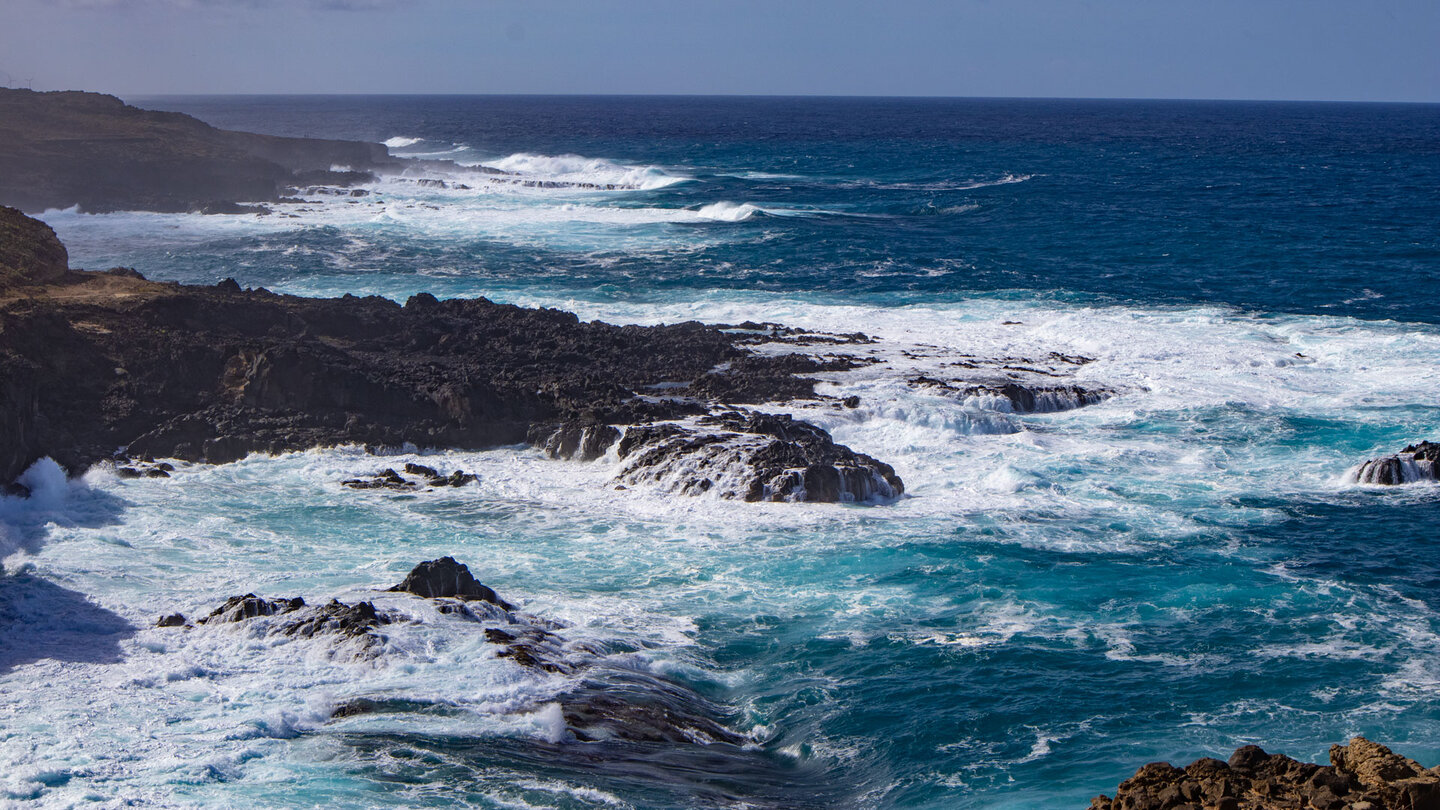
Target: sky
(1355,50)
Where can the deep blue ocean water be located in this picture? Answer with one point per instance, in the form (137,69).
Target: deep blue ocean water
(1061,598)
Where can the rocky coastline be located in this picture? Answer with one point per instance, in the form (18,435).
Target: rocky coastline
(108,366)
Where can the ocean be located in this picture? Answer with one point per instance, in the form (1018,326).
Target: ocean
(1059,598)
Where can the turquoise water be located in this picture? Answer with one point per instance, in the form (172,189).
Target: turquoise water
(1179,570)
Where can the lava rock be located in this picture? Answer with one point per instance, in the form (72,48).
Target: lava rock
(445,577)
(754,457)
(1362,774)
(249,606)
(1418,462)
(574,440)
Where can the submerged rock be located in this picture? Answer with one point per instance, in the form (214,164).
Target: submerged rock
(389,479)
(1361,776)
(1418,462)
(754,457)
(606,697)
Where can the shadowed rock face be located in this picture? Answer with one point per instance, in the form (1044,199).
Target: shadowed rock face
(754,457)
(1030,396)
(447,578)
(609,699)
(1361,776)
(95,151)
(1418,462)
(30,253)
(91,362)
(574,440)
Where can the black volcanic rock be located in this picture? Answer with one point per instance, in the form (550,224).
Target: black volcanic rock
(754,457)
(576,440)
(95,151)
(213,373)
(447,578)
(1418,462)
(91,362)
(240,608)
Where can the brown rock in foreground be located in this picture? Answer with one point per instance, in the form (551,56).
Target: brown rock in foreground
(1361,776)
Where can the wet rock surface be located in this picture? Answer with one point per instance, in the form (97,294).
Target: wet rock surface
(447,578)
(1416,463)
(579,441)
(1017,397)
(425,477)
(610,699)
(1362,775)
(753,456)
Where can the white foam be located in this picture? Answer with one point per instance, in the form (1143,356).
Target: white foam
(585,170)
(728,211)
(400,142)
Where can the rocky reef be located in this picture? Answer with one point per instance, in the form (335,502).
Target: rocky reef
(1362,775)
(607,700)
(92,362)
(71,148)
(1418,462)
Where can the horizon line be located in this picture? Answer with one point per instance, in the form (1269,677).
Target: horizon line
(870,96)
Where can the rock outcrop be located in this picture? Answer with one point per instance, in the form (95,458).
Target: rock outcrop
(1361,776)
(95,361)
(574,440)
(446,578)
(753,457)
(30,252)
(71,148)
(608,699)
(1009,396)
(1418,462)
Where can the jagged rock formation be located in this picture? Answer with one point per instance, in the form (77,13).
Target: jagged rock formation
(1017,397)
(605,702)
(753,457)
(1361,776)
(1418,462)
(92,150)
(389,479)
(574,440)
(444,578)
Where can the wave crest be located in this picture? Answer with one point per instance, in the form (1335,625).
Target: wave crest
(583,171)
(728,211)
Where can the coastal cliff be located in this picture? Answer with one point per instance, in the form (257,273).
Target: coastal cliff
(90,150)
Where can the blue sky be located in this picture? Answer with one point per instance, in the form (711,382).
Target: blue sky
(1368,50)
